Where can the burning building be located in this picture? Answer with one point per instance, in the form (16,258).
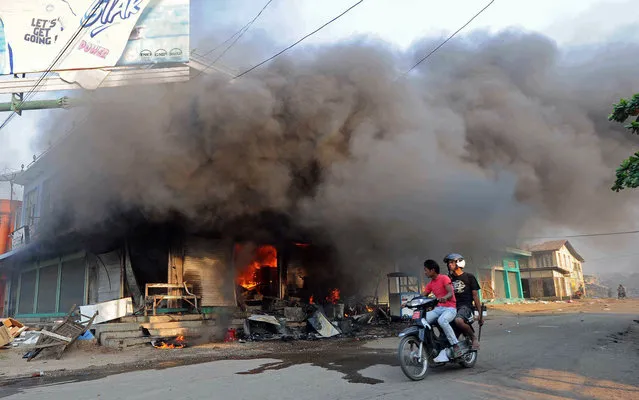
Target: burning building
(249,272)
(248,262)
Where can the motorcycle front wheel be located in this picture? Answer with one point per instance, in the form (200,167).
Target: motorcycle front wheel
(414,365)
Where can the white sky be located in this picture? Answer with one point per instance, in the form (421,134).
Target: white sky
(569,22)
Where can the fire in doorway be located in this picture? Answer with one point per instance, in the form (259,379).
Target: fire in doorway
(257,271)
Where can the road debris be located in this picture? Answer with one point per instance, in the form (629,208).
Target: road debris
(322,325)
(9,330)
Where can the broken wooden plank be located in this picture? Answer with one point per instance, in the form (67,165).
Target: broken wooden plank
(41,346)
(56,336)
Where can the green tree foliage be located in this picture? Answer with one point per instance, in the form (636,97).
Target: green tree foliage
(628,171)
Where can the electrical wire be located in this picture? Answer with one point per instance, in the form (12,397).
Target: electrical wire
(300,40)
(447,40)
(583,235)
(240,32)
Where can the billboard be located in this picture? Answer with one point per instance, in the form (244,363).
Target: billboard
(114,33)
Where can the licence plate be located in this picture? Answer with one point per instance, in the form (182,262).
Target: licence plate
(416,315)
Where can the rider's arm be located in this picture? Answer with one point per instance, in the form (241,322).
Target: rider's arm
(478,306)
(428,290)
(449,293)
(474,286)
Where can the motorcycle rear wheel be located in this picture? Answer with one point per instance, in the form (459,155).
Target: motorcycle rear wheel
(469,359)
(408,353)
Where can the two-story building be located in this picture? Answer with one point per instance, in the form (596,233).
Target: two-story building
(45,276)
(500,275)
(555,271)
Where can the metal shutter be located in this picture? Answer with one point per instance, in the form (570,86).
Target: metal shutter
(72,284)
(109,276)
(207,267)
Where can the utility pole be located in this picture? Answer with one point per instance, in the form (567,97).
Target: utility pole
(18,106)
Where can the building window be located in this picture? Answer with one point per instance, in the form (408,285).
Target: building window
(18,218)
(30,201)
(46,206)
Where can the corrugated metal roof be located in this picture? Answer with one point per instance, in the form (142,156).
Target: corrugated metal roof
(552,245)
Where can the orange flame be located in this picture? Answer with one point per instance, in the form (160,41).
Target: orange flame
(179,343)
(333,297)
(263,257)
(310,301)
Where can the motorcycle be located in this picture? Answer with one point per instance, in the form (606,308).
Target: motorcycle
(422,342)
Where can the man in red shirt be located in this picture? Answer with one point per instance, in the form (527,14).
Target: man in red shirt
(445,312)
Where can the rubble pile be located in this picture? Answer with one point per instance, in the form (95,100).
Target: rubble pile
(309,321)
(35,340)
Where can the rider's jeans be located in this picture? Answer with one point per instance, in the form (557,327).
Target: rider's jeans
(444,316)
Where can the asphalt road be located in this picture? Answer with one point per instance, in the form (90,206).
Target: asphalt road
(541,357)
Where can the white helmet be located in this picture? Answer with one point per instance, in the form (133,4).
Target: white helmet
(461,263)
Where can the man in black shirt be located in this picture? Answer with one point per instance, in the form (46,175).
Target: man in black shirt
(466,290)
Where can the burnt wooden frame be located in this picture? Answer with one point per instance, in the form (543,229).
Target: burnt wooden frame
(62,335)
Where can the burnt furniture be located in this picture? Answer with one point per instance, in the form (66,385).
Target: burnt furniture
(172,291)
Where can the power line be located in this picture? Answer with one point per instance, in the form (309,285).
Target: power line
(243,29)
(299,41)
(448,39)
(222,44)
(287,48)
(584,235)
(69,43)
(241,33)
